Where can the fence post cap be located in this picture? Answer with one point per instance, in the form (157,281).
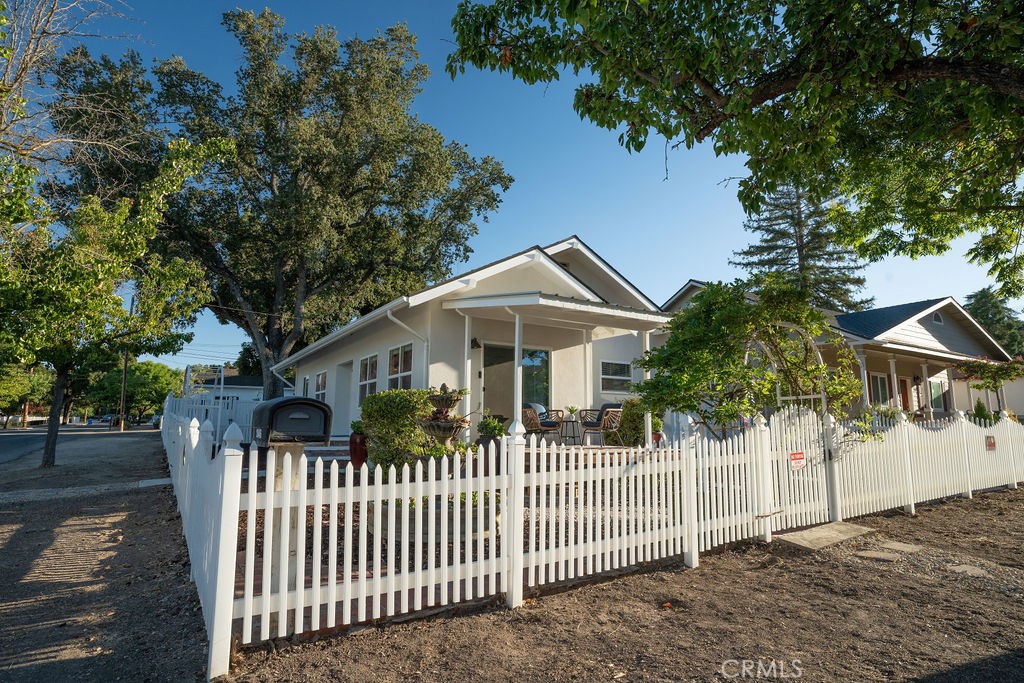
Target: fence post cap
(760,421)
(193,424)
(233,435)
(902,417)
(960,415)
(1004,414)
(207,427)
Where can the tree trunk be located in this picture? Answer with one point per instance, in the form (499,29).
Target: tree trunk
(66,414)
(273,386)
(24,416)
(7,421)
(60,383)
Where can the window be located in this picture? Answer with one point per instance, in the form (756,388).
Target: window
(937,318)
(938,395)
(367,377)
(305,386)
(320,387)
(400,367)
(616,377)
(879,385)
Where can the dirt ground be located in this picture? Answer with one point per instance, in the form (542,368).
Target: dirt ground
(830,615)
(96,458)
(96,588)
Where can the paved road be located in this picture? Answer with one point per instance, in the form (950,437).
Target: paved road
(17,443)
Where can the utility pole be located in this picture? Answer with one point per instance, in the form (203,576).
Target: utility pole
(124,372)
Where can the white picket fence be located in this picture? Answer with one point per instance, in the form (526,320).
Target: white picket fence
(291,544)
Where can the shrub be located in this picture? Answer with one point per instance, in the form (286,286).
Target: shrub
(631,428)
(983,413)
(491,426)
(392,435)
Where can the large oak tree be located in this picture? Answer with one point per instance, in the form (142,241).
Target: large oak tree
(914,110)
(339,198)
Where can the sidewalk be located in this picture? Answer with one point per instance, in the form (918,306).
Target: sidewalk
(95,582)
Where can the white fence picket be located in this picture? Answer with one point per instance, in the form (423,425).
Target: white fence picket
(464,527)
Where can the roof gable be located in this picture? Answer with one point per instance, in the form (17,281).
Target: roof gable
(683,294)
(916,324)
(586,265)
(526,271)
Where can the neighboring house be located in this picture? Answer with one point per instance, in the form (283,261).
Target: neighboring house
(582,326)
(236,387)
(906,353)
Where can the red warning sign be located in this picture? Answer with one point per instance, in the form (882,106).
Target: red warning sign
(797,460)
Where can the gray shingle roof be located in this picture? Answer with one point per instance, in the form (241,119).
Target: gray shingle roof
(870,324)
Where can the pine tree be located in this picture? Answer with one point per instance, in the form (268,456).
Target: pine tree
(797,241)
(998,319)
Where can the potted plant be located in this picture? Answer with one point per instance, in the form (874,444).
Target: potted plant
(357,444)
(442,424)
(490,430)
(572,410)
(657,425)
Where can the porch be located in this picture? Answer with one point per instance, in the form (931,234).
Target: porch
(543,349)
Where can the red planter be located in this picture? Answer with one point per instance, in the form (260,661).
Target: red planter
(357,449)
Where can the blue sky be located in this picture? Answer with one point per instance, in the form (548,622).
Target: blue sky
(571,177)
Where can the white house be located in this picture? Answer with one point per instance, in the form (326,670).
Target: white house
(579,323)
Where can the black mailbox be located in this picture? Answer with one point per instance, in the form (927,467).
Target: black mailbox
(290,418)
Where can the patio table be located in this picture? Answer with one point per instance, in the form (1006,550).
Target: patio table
(570,431)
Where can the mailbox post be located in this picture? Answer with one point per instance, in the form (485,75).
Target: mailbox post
(286,425)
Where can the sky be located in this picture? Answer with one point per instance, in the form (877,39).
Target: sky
(661,216)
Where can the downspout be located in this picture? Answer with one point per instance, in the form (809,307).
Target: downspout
(426,344)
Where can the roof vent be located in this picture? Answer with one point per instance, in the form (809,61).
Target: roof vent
(937,318)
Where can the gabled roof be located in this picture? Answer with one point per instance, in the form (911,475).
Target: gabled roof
(690,284)
(576,244)
(876,321)
(885,323)
(467,281)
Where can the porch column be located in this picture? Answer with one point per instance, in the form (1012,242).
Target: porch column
(862,361)
(895,384)
(467,372)
(1001,395)
(952,392)
(588,369)
(926,392)
(648,428)
(970,396)
(516,429)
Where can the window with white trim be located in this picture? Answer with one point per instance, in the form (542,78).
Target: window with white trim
(320,386)
(367,377)
(616,378)
(879,385)
(400,367)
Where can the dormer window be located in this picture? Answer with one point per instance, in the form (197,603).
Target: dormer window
(937,318)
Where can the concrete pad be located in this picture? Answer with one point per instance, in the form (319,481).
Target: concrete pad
(825,535)
(879,555)
(902,547)
(968,569)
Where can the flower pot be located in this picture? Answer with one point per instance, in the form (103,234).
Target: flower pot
(357,449)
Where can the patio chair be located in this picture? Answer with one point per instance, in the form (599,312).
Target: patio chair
(605,422)
(539,420)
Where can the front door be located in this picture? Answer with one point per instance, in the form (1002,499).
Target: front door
(499,374)
(905,393)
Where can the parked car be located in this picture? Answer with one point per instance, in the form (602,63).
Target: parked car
(106,418)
